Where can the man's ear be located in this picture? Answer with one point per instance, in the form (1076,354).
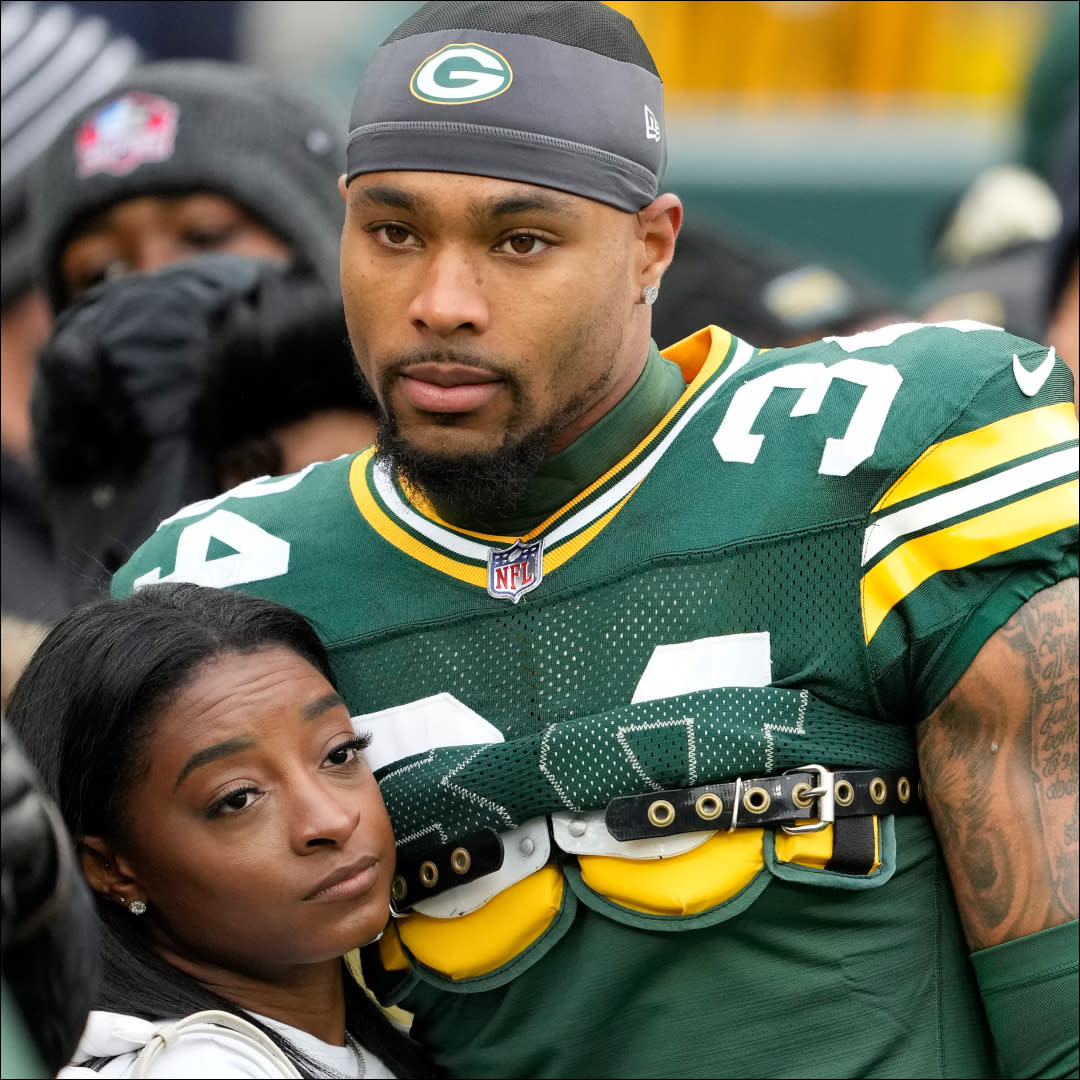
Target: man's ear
(342,188)
(109,873)
(658,226)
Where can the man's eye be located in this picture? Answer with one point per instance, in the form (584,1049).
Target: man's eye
(395,235)
(524,244)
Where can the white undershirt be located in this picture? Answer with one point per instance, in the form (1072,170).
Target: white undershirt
(217,1054)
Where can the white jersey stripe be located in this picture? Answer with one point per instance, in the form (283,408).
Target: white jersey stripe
(963,500)
(446,539)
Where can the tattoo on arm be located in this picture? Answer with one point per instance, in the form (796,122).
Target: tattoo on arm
(999,765)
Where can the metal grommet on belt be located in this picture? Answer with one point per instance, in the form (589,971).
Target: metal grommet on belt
(903,789)
(661,813)
(878,790)
(398,888)
(757,800)
(460,861)
(844,793)
(429,873)
(708,806)
(800,795)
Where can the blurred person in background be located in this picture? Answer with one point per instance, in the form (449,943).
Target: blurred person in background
(182,158)
(604,607)
(176,29)
(763,292)
(53,63)
(185,157)
(1062,295)
(994,249)
(992,253)
(1010,243)
(174,385)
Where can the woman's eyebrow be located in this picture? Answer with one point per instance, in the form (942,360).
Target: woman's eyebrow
(321,705)
(213,753)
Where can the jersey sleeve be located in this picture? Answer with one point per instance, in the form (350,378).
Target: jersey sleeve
(980,521)
(243,537)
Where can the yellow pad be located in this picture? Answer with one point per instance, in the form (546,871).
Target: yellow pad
(683,885)
(815,849)
(471,945)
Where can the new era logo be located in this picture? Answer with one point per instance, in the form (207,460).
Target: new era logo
(652,125)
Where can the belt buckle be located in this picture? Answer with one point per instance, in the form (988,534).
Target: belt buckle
(825,794)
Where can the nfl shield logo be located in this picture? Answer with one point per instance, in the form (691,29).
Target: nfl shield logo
(516,570)
(126,133)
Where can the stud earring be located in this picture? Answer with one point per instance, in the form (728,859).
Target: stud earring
(649,294)
(137,907)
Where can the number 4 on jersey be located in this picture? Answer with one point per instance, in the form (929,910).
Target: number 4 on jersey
(251,554)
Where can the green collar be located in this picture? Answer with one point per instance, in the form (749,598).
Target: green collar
(608,441)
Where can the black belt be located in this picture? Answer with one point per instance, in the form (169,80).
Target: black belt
(802,800)
(805,799)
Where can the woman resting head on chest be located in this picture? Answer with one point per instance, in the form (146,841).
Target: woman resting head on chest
(230,828)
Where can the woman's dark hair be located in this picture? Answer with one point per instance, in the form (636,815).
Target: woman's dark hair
(86,707)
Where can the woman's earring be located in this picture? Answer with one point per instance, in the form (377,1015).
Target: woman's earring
(137,907)
(649,294)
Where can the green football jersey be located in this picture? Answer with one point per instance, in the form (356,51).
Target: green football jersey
(794,566)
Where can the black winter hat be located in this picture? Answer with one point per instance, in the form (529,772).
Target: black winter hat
(196,125)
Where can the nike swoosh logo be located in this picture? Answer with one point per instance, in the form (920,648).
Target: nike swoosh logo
(1031,382)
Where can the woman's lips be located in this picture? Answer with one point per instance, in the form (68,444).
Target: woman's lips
(448,388)
(348,883)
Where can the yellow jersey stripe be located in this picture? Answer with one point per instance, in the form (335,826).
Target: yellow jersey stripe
(984,448)
(394,534)
(997,488)
(389,530)
(554,559)
(966,542)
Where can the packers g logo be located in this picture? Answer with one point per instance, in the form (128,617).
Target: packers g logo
(461,74)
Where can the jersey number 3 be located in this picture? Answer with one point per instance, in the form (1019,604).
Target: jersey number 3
(735,441)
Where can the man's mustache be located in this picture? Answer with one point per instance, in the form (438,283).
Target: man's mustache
(397,363)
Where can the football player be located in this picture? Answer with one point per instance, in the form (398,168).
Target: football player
(724,700)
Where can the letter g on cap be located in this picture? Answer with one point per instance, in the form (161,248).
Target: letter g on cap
(460,75)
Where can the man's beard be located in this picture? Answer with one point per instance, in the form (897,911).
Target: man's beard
(469,488)
(476,488)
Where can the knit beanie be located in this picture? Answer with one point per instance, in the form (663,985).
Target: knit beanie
(196,126)
(563,95)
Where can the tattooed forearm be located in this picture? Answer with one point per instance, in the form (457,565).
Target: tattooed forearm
(999,762)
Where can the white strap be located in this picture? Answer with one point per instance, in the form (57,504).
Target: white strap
(210,1022)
